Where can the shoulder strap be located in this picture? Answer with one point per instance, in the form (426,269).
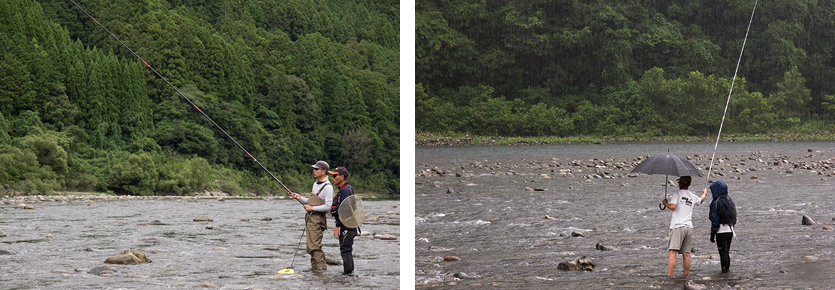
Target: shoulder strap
(321,188)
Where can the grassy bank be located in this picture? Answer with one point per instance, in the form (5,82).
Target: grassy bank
(423,139)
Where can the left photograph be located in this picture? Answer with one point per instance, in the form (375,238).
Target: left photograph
(199,144)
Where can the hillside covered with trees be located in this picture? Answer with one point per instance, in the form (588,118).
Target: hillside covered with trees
(292,81)
(637,68)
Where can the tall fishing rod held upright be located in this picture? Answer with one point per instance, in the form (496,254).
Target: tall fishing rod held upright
(186,98)
(707,177)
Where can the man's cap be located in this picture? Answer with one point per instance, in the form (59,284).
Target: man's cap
(340,170)
(684,180)
(320,165)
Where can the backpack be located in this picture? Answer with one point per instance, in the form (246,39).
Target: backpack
(726,210)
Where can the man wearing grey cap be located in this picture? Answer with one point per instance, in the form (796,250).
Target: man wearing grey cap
(317,206)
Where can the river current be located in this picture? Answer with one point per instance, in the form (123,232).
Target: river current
(508,213)
(56,244)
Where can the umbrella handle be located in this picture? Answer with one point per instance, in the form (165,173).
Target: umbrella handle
(661,206)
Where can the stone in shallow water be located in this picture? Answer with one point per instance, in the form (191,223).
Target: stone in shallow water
(202,218)
(807,221)
(452,259)
(690,285)
(603,247)
(810,258)
(100,269)
(332,261)
(128,257)
(581,264)
(388,237)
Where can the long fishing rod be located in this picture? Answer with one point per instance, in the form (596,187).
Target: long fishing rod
(731,92)
(186,98)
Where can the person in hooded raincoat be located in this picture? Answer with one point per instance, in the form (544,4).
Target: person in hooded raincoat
(723,219)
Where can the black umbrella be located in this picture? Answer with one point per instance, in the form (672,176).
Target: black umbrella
(667,164)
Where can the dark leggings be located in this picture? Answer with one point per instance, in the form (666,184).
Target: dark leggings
(723,242)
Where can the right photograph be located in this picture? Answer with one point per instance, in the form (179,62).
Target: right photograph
(624,144)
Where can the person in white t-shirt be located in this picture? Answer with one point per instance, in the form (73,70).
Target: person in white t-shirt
(681,225)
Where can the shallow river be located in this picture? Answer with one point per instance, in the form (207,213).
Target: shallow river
(510,237)
(55,245)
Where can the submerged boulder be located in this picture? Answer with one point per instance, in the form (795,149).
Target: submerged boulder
(691,285)
(807,221)
(603,247)
(452,259)
(202,218)
(582,264)
(128,257)
(388,237)
(332,261)
(100,270)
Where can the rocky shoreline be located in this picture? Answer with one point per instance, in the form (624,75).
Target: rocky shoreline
(33,199)
(734,166)
(89,197)
(427,139)
(25,201)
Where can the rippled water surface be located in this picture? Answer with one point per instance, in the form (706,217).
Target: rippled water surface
(509,237)
(56,244)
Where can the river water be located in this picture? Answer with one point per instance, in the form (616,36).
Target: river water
(55,244)
(510,237)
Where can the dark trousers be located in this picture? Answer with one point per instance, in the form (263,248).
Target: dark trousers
(723,242)
(346,247)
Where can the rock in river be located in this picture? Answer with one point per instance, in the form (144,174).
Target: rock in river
(2,234)
(602,247)
(452,259)
(202,218)
(128,257)
(388,237)
(807,221)
(100,270)
(332,261)
(582,264)
(690,285)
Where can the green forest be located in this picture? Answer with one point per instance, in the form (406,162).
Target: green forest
(623,68)
(293,81)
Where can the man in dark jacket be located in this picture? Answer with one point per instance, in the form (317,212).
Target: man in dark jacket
(346,235)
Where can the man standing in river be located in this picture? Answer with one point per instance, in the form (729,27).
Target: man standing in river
(681,224)
(315,220)
(345,234)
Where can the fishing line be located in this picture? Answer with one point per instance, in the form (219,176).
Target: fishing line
(290,270)
(186,98)
(731,92)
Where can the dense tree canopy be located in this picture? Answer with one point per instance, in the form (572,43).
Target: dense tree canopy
(570,67)
(292,81)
